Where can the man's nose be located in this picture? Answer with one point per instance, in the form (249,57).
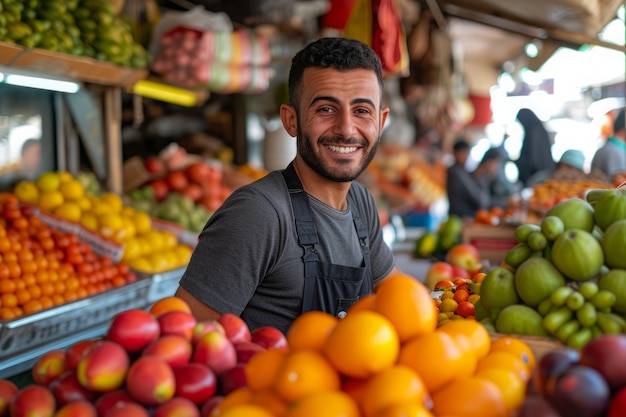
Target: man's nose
(344,124)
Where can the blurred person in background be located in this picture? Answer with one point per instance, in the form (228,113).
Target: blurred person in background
(30,159)
(466,195)
(536,152)
(611,157)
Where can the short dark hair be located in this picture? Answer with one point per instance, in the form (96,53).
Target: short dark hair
(338,53)
(492,154)
(460,145)
(619,122)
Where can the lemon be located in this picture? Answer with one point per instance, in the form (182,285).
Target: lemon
(110,224)
(72,189)
(26,192)
(113,200)
(143,222)
(169,239)
(183,253)
(100,207)
(65,176)
(128,227)
(128,212)
(132,249)
(448,305)
(69,210)
(48,181)
(84,203)
(89,221)
(159,262)
(141,264)
(49,200)
(155,239)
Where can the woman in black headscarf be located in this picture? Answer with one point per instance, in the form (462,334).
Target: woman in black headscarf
(536,154)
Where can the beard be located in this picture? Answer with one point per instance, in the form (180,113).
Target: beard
(344,172)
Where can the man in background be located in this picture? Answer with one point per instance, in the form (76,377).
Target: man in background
(466,194)
(611,157)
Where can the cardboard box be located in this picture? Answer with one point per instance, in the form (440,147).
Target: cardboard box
(492,242)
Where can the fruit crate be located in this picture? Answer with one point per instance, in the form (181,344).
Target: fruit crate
(164,284)
(492,242)
(539,345)
(24,339)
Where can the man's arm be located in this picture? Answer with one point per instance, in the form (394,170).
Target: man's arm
(200,310)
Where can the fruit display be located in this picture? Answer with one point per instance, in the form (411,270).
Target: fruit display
(104,221)
(565,277)
(42,267)
(79,27)
(551,192)
(588,382)
(437,243)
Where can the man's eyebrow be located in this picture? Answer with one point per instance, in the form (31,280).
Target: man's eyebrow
(334,100)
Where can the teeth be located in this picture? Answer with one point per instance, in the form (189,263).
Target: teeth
(342,149)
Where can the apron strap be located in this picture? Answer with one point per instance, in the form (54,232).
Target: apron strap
(361,231)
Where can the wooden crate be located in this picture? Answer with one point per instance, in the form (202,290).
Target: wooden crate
(492,242)
(539,345)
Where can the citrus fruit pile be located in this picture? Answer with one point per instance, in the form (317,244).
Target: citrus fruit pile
(41,267)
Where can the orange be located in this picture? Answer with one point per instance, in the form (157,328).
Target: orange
(240,396)
(72,190)
(438,358)
(511,386)
(396,384)
(262,369)
(480,398)
(355,387)
(364,303)
(310,330)
(325,404)
(303,373)
(270,401)
(362,344)
(408,304)
(404,409)
(516,346)
(475,334)
(505,360)
(167,304)
(245,410)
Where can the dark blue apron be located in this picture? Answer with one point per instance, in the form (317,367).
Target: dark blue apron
(327,287)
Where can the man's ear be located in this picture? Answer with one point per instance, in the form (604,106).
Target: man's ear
(289,118)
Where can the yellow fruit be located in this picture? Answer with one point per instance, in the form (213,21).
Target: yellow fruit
(141,264)
(155,239)
(447,295)
(183,253)
(100,207)
(113,200)
(72,189)
(128,211)
(49,200)
(132,249)
(169,239)
(512,387)
(48,181)
(110,224)
(143,222)
(89,221)
(84,203)
(448,305)
(69,210)
(158,261)
(26,192)
(65,176)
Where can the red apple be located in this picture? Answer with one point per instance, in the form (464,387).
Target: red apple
(7,391)
(173,349)
(198,172)
(103,366)
(269,337)
(49,366)
(215,351)
(67,389)
(235,328)
(75,352)
(203,327)
(150,381)
(177,322)
(438,271)
(110,399)
(33,401)
(195,382)
(154,165)
(177,406)
(134,329)
(160,189)
(233,378)
(607,355)
(193,191)
(246,350)
(466,256)
(617,407)
(131,409)
(459,272)
(176,180)
(207,407)
(77,409)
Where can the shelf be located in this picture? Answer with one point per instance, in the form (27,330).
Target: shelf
(72,67)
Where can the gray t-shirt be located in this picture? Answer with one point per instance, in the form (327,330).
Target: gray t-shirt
(248,261)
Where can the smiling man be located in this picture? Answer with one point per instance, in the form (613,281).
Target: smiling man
(309,237)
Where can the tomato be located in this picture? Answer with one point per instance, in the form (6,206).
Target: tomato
(176,180)
(465,309)
(443,284)
(198,172)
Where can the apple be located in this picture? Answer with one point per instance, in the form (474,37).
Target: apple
(103,366)
(551,365)
(176,180)
(160,189)
(466,256)
(134,329)
(75,352)
(173,349)
(246,350)
(607,355)
(198,172)
(131,409)
(196,382)
(438,271)
(207,407)
(175,407)
(203,327)
(233,378)
(7,391)
(235,328)
(49,366)
(33,401)
(617,407)
(151,381)
(154,165)
(110,399)
(269,337)
(216,351)
(459,272)
(177,322)
(77,409)
(193,191)
(67,389)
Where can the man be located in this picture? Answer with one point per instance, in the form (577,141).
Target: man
(306,238)
(465,194)
(611,157)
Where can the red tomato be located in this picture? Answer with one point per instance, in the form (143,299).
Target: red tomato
(443,284)
(465,309)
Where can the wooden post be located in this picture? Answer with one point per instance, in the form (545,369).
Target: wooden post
(113,138)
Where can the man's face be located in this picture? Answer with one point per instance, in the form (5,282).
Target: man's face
(339,121)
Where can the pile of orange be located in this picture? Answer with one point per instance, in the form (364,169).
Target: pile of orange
(41,267)
(386,358)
